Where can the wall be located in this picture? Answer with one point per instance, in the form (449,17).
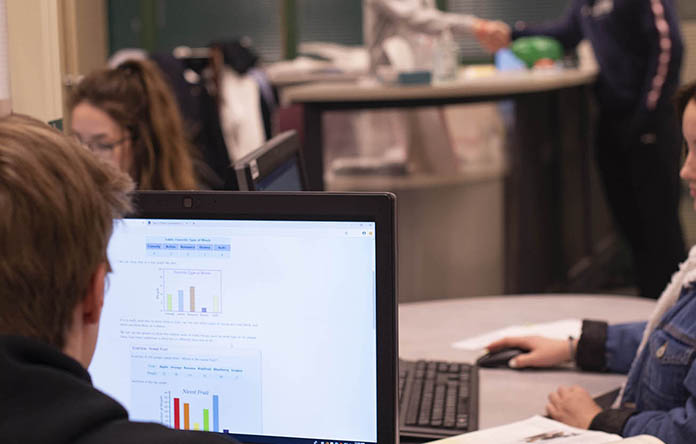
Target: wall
(162,25)
(85,35)
(5,102)
(35,66)
(84,42)
(689,34)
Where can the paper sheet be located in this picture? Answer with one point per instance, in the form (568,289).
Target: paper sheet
(555,330)
(535,430)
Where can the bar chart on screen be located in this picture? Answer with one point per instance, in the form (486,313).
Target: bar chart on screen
(177,412)
(197,392)
(190,291)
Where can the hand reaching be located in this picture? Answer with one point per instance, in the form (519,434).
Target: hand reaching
(573,406)
(492,35)
(543,352)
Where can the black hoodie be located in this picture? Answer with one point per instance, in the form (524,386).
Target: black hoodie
(48,397)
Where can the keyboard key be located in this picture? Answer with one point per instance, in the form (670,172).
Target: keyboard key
(462,422)
(462,404)
(450,405)
(426,403)
(438,405)
(412,410)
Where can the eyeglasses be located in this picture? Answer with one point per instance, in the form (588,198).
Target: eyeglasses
(97,146)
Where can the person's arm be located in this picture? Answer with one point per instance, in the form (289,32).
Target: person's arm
(676,426)
(566,30)
(659,24)
(601,347)
(604,347)
(425,20)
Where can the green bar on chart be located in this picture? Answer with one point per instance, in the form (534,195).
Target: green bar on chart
(169,302)
(206,420)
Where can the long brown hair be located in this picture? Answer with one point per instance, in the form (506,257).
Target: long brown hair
(138,98)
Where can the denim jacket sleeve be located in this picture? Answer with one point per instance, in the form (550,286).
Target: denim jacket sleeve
(605,347)
(622,343)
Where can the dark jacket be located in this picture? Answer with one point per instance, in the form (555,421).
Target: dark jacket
(48,397)
(660,394)
(638,47)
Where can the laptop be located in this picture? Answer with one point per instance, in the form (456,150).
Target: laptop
(268,317)
(275,166)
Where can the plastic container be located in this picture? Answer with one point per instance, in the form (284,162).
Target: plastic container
(532,49)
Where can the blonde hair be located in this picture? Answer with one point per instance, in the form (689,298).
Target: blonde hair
(57,205)
(138,98)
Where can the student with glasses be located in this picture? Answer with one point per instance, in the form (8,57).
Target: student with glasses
(129,117)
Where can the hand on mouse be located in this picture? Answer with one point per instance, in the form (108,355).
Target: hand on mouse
(573,406)
(543,352)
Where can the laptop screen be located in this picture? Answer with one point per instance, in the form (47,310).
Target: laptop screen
(264,329)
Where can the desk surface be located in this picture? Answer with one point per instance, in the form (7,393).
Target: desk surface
(427,330)
(501,84)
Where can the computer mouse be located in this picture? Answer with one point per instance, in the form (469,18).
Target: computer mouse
(499,358)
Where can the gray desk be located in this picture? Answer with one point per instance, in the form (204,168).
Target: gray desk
(557,231)
(427,330)
(317,98)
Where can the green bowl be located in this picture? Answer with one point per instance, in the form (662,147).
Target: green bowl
(532,49)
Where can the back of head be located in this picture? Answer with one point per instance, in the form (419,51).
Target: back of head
(136,96)
(57,205)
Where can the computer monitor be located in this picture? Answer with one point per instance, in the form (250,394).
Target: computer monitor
(270,317)
(275,166)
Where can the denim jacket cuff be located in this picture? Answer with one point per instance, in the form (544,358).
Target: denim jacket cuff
(612,420)
(591,352)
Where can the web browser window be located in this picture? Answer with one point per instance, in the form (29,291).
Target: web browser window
(261,329)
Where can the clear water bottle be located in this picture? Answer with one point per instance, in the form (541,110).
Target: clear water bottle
(446,62)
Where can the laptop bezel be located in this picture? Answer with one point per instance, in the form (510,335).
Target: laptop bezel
(369,207)
(260,163)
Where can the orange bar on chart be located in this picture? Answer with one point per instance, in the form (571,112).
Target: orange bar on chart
(186,416)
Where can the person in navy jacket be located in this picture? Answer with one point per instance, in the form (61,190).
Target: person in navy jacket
(639,50)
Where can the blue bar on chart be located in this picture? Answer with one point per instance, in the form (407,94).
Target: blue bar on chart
(181,300)
(216,415)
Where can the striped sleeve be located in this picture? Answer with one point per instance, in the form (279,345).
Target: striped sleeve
(664,54)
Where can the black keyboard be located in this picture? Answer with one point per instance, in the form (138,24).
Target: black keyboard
(437,399)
